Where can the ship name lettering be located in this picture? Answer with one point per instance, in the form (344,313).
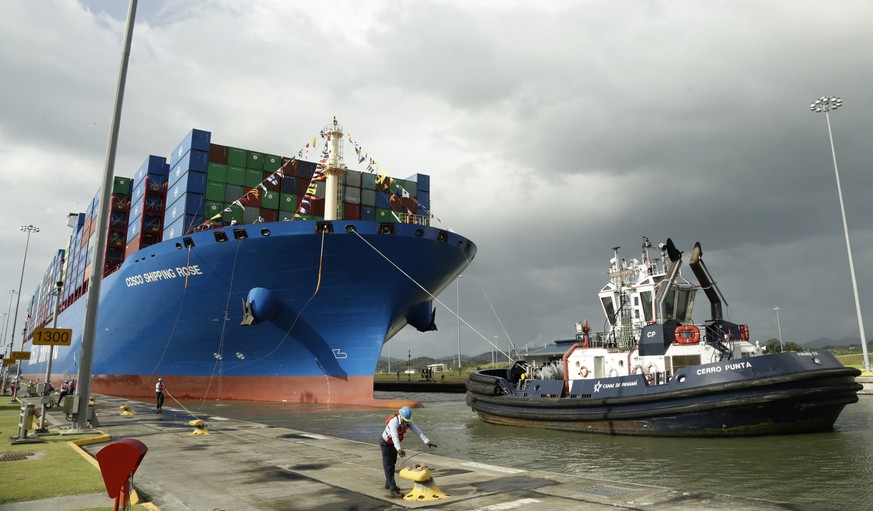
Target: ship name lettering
(165,274)
(739,365)
(189,270)
(708,370)
(154,276)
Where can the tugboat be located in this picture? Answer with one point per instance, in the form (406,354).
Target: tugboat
(654,372)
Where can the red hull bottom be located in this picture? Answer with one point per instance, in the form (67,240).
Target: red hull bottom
(354,390)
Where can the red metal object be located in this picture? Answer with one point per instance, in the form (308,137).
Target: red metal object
(118,462)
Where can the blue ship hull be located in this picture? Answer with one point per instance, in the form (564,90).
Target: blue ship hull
(323,305)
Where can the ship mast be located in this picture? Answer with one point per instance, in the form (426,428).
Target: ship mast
(334,168)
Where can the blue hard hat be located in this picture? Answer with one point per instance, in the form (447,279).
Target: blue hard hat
(406,414)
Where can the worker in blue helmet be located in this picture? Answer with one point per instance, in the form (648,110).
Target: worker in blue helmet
(395,427)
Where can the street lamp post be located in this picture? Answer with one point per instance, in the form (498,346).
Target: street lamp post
(458,296)
(779,327)
(28,229)
(48,367)
(826,104)
(7,349)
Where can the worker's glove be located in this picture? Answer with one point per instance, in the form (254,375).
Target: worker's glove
(401,453)
(431,444)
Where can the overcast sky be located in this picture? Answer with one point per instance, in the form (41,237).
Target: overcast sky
(552,132)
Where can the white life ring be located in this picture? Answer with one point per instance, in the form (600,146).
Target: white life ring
(613,373)
(638,369)
(583,372)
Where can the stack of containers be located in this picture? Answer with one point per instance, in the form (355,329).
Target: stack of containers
(186,188)
(148,196)
(236,174)
(303,173)
(74,264)
(116,237)
(422,182)
(288,189)
(42,305)
(352,195)
(392,203)
(116,229)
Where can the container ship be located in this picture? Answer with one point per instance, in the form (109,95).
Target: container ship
(236,274)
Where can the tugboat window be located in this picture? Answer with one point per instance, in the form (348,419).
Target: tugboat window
(609,309)
(646,297)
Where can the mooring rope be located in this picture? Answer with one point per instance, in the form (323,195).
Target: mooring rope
(433,297)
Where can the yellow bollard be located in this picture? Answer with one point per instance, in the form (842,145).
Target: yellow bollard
(126,411)
(424,488)
(199,427)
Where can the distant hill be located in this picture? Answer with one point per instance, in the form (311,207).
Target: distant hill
(825,342)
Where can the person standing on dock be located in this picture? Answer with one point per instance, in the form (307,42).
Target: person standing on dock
(159,394)
(396,427)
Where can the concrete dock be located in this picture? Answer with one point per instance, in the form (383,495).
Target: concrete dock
(247,466)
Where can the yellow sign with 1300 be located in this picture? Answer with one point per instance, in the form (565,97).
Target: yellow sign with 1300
(52,336)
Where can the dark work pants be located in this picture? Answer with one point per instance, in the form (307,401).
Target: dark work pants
(389,459)
(159,400)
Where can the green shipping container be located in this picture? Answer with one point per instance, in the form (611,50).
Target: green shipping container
(217,172)
(236,213)
(255,160)
(368,181)
(286,216)
(236,157)
(385,215)
(287,202)
(401,184)
(236,175)
(368,198)
(272,162)
(253,177)
(121,185)
(215,191)
(270,200)
(212,208)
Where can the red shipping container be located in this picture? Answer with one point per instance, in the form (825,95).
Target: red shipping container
(352,211)
(269,184)
(317,208)
(289,168)
(269,215)
(218,153)
(408,204)
(132,245)
(251,197)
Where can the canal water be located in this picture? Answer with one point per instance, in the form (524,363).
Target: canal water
(832,469)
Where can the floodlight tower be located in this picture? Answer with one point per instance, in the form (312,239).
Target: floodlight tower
(826,104)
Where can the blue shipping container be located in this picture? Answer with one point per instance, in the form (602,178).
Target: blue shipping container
(187,204)
(423,198)
(152,165)
(181,226)
(192,160)
(382,200)
(195,139)
(191,182)
(133,228)
(422,182)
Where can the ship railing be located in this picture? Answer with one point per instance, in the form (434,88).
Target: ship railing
(411,218)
